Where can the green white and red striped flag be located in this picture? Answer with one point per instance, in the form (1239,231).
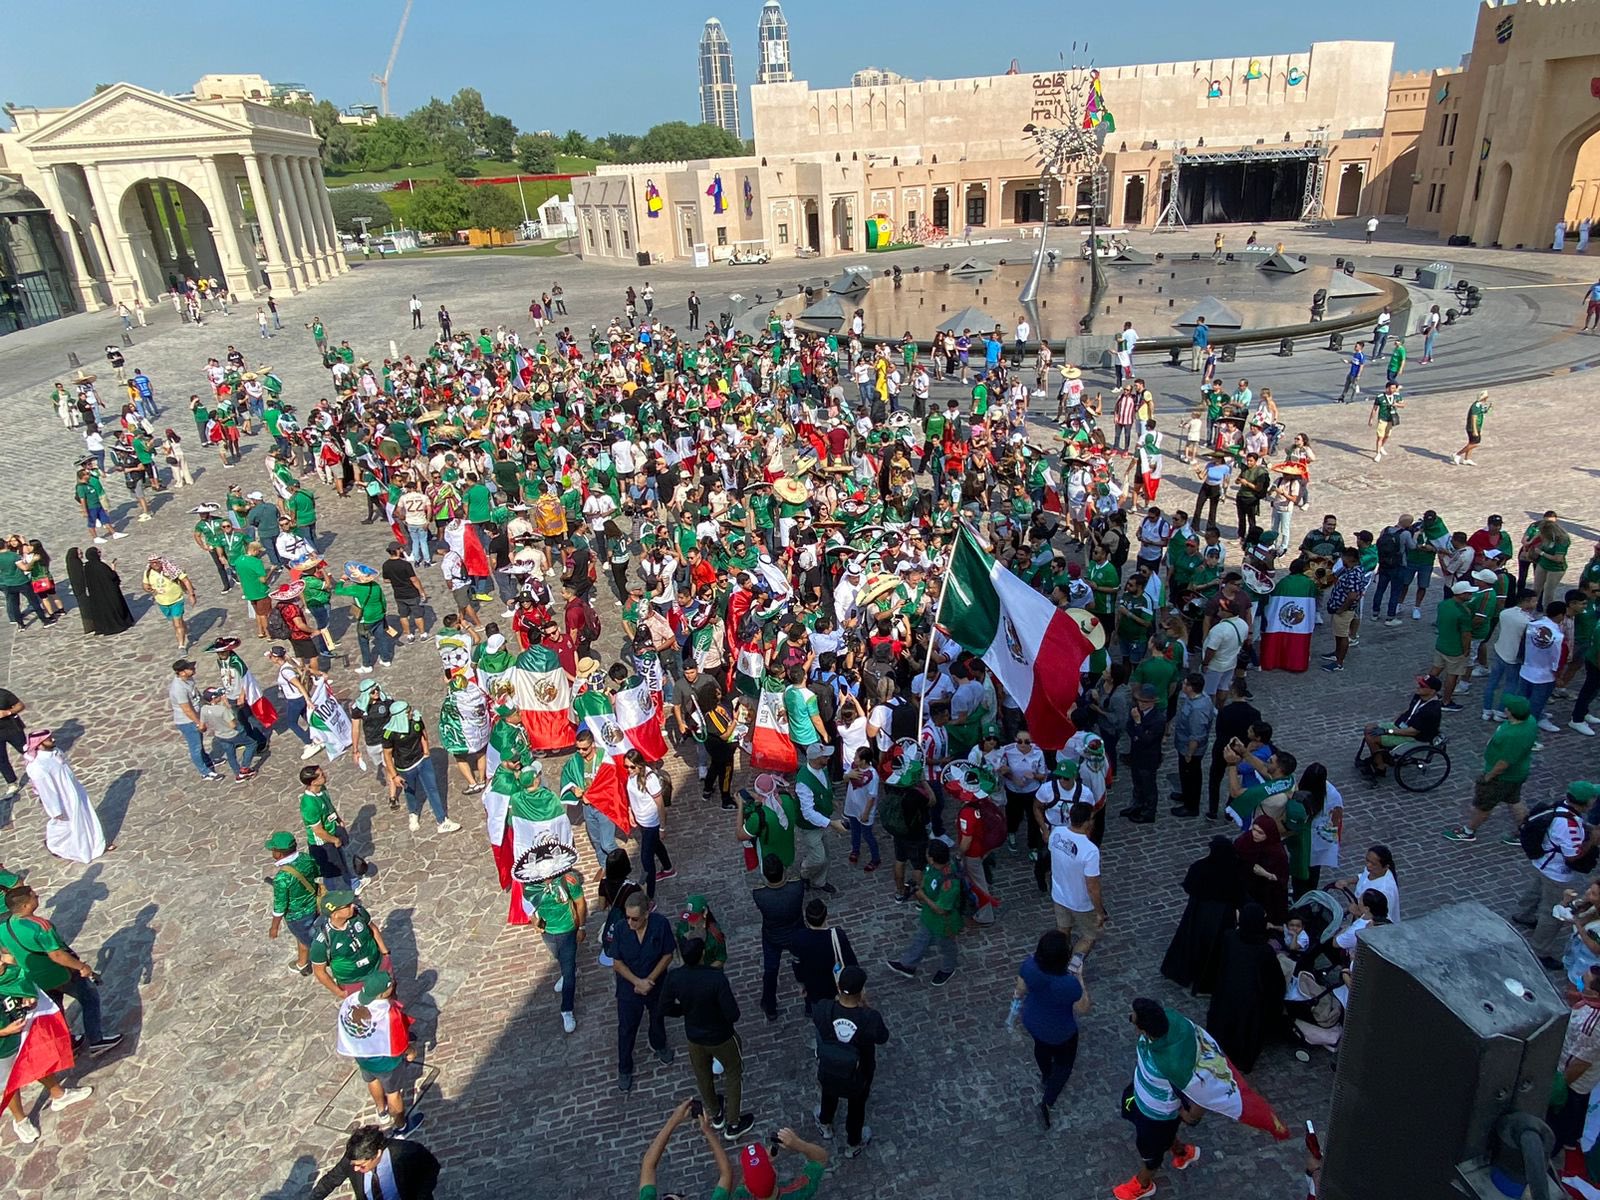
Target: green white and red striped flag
(1034,649)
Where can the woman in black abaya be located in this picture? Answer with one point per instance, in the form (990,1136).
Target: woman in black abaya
(80,589)
(1215,886)
(105,604)
(1247,1005)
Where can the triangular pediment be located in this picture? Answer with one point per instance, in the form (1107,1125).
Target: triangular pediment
(124,113)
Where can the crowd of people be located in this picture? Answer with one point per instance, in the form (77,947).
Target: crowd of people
(750,532)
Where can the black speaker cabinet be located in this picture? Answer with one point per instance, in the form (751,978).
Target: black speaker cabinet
(1452,1024)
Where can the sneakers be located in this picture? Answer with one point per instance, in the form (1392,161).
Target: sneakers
(27,1133)
(569,1023)
(827,1130)
(71,1096)
(1185,1156)
(901,897)
(665,1056)
(1393,621)
(1416,614)
(212,777)
(1452,707)
(1582,727)
(1479,672)
(940,978)
(1460,834)
(99,541)
(363,670)
(310,750)
(737,1129)
(1549,726)
(1498,714)
(117,536)
(1133,1189)
(245,776)
(866,1138)
(414,822)
(449,826)
(669,873)
(871,866)
(1455,460)
(557,986)
(1333,666)
(899,968)
(624,1081)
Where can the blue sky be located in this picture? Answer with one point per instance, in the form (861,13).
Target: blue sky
(627,64)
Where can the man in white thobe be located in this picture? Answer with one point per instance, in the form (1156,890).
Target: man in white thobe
(72,830)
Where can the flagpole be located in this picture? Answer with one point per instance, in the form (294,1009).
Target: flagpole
(938,610)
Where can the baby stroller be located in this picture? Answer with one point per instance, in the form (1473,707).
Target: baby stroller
(1315,972)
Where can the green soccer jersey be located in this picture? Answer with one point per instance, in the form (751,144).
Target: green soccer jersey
(351,953)
(316,808)
(554,902)
(294,897)
(30,941)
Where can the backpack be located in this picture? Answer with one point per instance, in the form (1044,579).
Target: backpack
(991,831)
(1390,556)
(838,1063)
(277,627)
(591,621)
(1531,833)
(892,811)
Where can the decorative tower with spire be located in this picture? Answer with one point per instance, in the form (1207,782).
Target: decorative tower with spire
(772,41)
(719,94)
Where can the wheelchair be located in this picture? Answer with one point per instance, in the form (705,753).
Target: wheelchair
(1419,767)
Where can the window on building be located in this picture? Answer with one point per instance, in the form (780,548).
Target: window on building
(783,233)
(606,233)
(1433,195)
(627,244)
(588,237)
(1454,117)
(1444,128)
(722,235)
(1441,199)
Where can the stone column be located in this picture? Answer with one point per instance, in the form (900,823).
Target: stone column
(321,190)
(314,195)
(166,255)
(293,235)
(276,263)
(309,220)
(84,279)
(305,188)
(114,240)
(225,231)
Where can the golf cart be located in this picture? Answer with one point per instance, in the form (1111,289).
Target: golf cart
(1108,243)
(751,253)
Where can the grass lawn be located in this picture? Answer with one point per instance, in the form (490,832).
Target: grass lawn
(488,168)
(534,193)
(549,249)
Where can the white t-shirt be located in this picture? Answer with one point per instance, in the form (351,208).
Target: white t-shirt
(852,736)
(1561,841)
(1386,885)
(1017,767)
(1073,860)
(1226,638)
(858,796)
(644,800)
(1324,834)
(1509,629)
(1541,651)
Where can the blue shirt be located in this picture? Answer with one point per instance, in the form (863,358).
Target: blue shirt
(1202,336)
(1217,473)
(1357,361)
(142,385)
(640,955)
(1594,293)
(991,352)
(1047,1008)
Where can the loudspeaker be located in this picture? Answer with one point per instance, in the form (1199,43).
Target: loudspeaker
(1230,352)
(1285,347)
(1336,341)
(1451,1025)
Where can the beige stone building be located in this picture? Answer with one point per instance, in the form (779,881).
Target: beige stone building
(144,188)
(1508,146)
(1253,139)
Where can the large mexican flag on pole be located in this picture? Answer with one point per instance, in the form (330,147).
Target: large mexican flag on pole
(1190,1060)
(607,789)
(1289,617)
(1034,649)
(541,693)
(771,748)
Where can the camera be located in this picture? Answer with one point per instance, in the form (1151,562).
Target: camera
(696,1109)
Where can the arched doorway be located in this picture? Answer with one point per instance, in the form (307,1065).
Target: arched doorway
(1583,191)
(1133,200)
(1352,177)
(1495,214)
(169,227)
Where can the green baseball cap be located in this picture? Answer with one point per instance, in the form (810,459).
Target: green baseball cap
(1583,791)
(280,842)
(1518,707)
(1066,768)
(375,985)
(336,900)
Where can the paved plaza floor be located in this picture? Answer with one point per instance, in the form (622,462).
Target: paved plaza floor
(227,1083)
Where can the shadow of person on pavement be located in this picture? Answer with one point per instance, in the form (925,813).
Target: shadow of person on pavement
(361,831)
(113,806)
(68,732)
(69,906)
(301,1176)
(126,960)
(203,622)
(413,985)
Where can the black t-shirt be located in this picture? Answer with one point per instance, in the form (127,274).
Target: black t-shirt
(10,727)
(1424,716)
(407,746)
(402,577)
(782,909)
(870,1031)
(1233,721)
(373,718)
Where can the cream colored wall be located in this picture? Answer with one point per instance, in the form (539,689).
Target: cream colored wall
(1583,199)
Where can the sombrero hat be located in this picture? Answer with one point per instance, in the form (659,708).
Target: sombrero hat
(289,591)
(84,377)
(587,666)
(206,510)
(1091,627)
(360,570)
(1070,372)
(804,465)
(546,859)
(223,645)
(790,490)
(430,416)
(877,586)
(1290,468)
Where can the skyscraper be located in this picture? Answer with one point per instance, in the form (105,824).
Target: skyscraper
(772,41)
(719,94)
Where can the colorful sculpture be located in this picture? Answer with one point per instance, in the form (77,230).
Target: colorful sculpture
(1095,113)
(653,203)
(718,205)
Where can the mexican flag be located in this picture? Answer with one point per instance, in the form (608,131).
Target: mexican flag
(640,718)
(1191,1061)
(750,664)
(260,707)
(608,789)
(540,691)
(1034,649)
(1290,615)
(375,1030)
(330,724)
(44,1047)
(770,747)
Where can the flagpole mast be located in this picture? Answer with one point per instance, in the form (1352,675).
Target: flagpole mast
(938,611)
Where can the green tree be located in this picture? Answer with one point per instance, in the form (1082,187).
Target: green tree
(350,203)
(500,137)
(391,142)
(536,154)
(455,151)
(470,114)
(675,140)
(433,120)
(440,206)
(494,208)
(615,147)
(574,143)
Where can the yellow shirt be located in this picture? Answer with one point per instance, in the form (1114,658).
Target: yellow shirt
(162,589)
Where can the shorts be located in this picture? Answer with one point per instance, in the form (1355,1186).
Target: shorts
(1153,1137)
(172,612)
(1420,574)
(465,756)
(262,606)
(97,517)
(303,928)
(1474,437)
(407,607)
(1594,308)
(912,849)
(1218,681)
(1383,429)
(1450,664)
(1340,622)
(463,598)
(305,649)
(1080,926)
(389,1081)
(1486,793)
